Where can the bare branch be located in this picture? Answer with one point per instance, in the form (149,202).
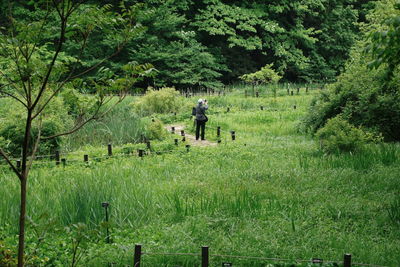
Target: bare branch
(40,33)
(12,83)
(7,159)
(50,68)
(14,97)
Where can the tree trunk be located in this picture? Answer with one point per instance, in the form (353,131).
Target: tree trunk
(23,181)
(22,216)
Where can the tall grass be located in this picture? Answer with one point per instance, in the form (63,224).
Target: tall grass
(270,193)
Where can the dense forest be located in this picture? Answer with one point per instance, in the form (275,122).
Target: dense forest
(208,43)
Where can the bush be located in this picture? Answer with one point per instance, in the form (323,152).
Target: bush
(165,100)
(362,95)
(338,135)
(155,130)
(55,119)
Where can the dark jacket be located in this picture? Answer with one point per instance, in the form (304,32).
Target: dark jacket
(201,112)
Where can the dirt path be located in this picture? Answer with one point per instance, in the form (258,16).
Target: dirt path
(191,139)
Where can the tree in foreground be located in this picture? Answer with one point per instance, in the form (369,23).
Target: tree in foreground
(41,54)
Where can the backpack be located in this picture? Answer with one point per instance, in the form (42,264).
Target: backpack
(194,111)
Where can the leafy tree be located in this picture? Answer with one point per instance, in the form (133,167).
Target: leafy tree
(265,75)
(385,43)
(34,69)
(363,96)
(172,48)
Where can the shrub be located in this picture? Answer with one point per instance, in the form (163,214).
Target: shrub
(338,135)
(55,119)
(165,100)
(362,95)
(155,130)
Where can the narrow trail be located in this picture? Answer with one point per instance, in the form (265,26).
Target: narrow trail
(191,139)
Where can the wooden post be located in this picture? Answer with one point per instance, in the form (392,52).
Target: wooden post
(148,145)
(187,148)
(183,139)
(64,162)
(347,260)
(109,148)
(233,135)
(228,109)
(288,92)
(136,257)
(291,92)
(219,141)
(140,153)
(176,141)
(218,131)
(85,158)
(172,129)
(257,94)
(298,90)
(261,107)
(294,107)
(204,257)
(57,157)
(182,132)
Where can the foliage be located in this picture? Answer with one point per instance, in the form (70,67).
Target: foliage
(362,95)
(54,119)
(181,61)
(265,75)
(165,100)
(385,42)
(338,135)
(269,184)
(155,130)
(203,43)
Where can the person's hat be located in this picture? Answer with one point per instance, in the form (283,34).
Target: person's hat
(200,101)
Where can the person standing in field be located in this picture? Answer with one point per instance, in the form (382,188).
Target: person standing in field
(201,118)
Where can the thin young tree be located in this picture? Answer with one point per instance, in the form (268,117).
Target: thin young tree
(36,64)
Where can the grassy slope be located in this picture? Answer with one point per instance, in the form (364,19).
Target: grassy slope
(270,193)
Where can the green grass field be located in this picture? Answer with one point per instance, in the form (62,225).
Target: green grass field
(270,193)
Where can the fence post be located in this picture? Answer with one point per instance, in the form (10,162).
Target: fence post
(109,148)
(173,130)
(204,257)
(140,153)
(294,107)
(187,148)
(291,92)
(148,145)
(233,135)
(261,107)
(182,132)
(64,162)
(228,109)
(136,257)
(257,94)
(85,158)
(298,90)
(57,157)
(347,260)
(176,141)
(218,131)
